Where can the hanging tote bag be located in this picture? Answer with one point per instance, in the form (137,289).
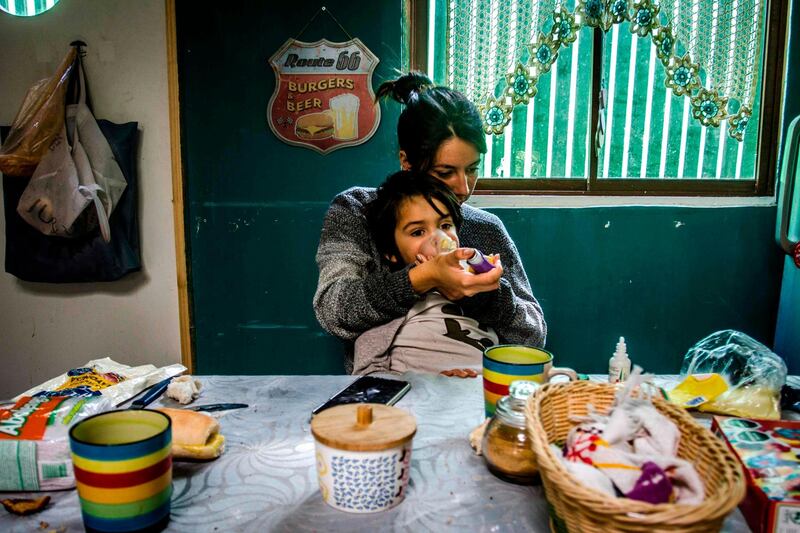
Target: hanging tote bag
(33,256)
(78,182)
(38,121)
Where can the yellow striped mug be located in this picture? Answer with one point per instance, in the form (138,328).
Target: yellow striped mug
(123,470)
(505,363)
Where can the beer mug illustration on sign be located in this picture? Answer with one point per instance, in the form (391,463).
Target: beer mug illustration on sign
(344,109)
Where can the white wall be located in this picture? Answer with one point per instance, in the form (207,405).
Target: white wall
(47,328)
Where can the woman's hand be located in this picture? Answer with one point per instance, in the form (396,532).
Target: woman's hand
(445,274)
(460,373)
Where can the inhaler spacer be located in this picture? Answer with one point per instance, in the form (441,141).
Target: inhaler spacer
(439,243)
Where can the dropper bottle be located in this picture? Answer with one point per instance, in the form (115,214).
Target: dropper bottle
(619,366)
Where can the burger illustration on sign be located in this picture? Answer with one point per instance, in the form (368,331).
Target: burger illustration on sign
(323,96)
(314,126)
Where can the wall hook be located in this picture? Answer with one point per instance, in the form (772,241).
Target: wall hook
(80,45)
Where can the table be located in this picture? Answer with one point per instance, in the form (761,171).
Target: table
(266,480)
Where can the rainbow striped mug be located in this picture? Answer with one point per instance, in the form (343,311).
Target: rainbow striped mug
(123,470)
(505,363)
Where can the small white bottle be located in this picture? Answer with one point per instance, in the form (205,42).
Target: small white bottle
(619,366)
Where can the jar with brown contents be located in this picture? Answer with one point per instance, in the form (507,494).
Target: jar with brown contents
(506,446)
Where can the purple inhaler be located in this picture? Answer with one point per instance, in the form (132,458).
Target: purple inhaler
(479,263)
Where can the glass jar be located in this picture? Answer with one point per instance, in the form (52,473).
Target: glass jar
(506,445)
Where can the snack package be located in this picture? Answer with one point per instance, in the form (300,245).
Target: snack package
(34,432)
(104,377)
(698,389)
(34,441)
(754,374)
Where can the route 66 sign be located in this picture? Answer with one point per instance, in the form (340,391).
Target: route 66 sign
(323,96)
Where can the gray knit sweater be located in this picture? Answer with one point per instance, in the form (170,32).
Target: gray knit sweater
(356,292)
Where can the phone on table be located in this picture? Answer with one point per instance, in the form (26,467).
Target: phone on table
(368,389)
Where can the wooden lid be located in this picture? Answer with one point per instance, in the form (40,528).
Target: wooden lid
(363,427)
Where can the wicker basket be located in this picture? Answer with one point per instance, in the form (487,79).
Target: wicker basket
(579,509)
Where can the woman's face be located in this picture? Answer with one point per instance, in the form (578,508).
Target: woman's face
(418,226)
(456,164)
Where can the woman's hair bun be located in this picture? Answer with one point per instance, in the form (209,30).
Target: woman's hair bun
(405,87)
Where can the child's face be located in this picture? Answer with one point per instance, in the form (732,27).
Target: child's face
(418,225)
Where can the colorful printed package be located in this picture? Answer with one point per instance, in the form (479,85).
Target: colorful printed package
(769,452)
(34,441)
(34,432)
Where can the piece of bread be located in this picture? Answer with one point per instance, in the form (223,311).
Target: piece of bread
(194,435)
(314,126)
(25,506)
(184,389)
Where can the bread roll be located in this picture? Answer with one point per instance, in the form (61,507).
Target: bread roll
(194,435)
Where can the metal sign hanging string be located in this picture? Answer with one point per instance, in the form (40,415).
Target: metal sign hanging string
(323,9)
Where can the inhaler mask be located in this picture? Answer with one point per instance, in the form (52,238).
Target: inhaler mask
(439,243)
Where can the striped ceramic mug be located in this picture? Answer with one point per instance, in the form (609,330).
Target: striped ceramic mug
(123,470)
(505,363)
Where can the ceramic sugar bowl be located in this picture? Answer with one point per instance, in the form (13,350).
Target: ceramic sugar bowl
(363,456)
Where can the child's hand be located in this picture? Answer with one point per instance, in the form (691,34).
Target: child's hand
(423,258)
(444,273)
(460,373)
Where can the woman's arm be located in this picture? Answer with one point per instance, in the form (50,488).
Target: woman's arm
(354,292)
(511,310)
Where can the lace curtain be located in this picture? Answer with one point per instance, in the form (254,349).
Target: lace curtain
(710,50)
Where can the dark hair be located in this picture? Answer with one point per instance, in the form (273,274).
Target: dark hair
(382,212)
(432,115)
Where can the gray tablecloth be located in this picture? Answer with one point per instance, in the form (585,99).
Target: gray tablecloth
(266,480)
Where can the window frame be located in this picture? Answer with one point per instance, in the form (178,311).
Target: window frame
(769,124)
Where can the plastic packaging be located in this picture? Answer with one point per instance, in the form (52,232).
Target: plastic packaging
(39,119)
(698,389)
(439,243)
(619,366)
(34,441)
(754,374)
(104,377)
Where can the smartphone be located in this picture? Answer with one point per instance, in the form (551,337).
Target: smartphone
(368,389)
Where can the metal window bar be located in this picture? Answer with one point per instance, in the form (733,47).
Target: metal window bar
(573,104)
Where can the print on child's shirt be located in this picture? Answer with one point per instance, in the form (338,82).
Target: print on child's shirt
(455,332)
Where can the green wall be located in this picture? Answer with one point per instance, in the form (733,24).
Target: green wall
(662,277)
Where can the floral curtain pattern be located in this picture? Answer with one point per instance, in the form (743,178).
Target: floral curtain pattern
(710,50)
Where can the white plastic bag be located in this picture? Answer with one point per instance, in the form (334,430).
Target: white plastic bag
(78,182)
(104,377)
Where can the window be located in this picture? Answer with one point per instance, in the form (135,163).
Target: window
(26,8)
(648,140)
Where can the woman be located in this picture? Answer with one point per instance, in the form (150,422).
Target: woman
(439,132)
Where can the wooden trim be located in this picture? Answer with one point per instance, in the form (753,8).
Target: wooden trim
(617,187)
(417,12)
(187,355)
(770,122)
(522,185)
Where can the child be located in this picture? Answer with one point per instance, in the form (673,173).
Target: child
(413,218)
